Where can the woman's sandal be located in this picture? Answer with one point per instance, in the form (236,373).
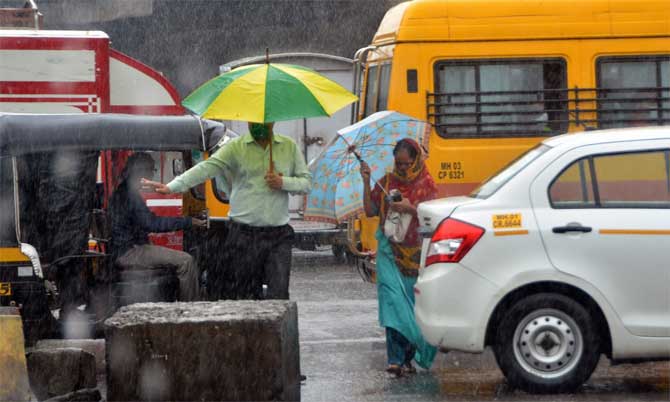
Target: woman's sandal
(408,368)
(394,369)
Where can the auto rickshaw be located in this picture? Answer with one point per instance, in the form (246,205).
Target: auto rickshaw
(53,232)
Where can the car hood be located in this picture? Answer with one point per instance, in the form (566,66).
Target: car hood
(431,213)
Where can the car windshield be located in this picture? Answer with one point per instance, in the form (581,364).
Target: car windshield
(495,182)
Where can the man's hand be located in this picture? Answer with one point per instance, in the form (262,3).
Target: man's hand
(365,172)
(198,223)
(156,186)
(274,180)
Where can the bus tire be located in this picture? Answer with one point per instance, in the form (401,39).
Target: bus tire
(339,253)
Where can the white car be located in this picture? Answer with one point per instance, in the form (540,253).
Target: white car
(561,257)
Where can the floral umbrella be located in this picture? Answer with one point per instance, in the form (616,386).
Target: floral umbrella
(337,187)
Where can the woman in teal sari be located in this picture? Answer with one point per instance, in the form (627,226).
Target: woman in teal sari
(398,262)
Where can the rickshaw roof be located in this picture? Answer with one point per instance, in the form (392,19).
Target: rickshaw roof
(34,133)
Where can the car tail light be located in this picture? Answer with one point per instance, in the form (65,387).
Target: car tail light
(452,240)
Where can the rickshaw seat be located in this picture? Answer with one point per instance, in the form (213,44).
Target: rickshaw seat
(135,284)
(152,285)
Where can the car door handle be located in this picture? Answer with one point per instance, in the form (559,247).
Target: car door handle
(571,228)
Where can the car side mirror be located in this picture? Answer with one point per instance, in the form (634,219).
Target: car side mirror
(177,167)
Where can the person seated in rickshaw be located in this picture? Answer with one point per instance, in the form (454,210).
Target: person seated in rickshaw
(132,221)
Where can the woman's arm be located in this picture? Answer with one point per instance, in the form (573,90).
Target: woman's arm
(370,209)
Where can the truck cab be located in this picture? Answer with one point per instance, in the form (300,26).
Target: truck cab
(52,72)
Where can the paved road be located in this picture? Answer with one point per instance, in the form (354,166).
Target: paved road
(343,352)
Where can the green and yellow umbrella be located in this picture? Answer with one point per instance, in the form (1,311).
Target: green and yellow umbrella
(269,92)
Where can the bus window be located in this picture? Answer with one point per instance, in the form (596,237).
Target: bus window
(220,185)
(371,89)
(632,91)
(500,98)
(665,83)
(454,80)
(384,81)
(377,88)
(166,171)
(191,158)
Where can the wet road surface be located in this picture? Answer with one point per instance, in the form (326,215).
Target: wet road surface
(343,353)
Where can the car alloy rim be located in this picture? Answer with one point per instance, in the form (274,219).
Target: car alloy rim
(548,343)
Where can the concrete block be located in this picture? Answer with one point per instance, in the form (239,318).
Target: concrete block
(228,350)
(96,347)
(56,372)
(82,395)
(14,384)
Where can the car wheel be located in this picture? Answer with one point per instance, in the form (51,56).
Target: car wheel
(547,343)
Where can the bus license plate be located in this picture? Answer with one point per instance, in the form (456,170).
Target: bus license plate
(5,289)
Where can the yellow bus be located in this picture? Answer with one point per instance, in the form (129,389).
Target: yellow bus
(496,77)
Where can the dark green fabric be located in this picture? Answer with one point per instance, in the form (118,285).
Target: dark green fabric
(395,293)
(284,100)
(259,131)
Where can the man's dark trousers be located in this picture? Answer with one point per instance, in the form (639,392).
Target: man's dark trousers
(253,256)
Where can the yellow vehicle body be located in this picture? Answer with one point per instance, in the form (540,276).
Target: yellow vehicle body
(216,206)
(586,44)
(14,385)
(10,257)
(12,254)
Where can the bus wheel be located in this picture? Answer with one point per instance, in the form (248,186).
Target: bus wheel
(339,253)
(547,343)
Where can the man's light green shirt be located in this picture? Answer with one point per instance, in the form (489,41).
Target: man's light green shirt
(242,163)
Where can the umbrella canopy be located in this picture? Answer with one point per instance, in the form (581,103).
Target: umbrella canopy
(268,92)
(337,187)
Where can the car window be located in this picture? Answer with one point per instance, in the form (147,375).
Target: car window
(633,180)
(490,186)
(622,180)
(574,187)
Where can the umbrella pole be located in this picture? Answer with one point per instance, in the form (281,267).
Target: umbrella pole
(358,156)
(272,165)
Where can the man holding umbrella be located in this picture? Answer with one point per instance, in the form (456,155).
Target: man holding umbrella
(262,169)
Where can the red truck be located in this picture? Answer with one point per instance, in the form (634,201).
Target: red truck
(44,71)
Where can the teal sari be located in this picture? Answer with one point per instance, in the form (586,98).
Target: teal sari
(395,293)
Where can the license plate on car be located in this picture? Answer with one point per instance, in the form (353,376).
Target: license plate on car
(5,289)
